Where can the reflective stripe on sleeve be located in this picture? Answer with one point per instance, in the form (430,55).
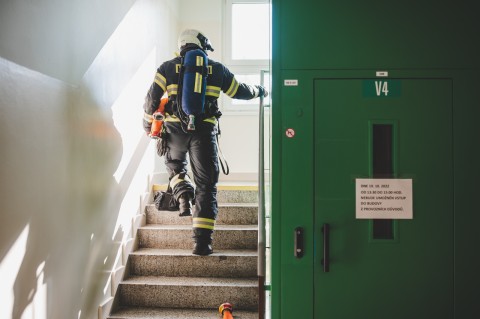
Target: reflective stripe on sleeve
(147,117)
(172,89)
(160,80)
(206,223)
(233,88)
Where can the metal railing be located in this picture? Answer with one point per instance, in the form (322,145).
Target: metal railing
(261,267)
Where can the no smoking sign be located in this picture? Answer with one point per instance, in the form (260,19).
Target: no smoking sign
(290,132)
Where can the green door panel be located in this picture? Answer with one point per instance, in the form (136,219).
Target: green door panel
(410,276)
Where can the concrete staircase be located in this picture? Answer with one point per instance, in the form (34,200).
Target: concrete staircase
(163,279)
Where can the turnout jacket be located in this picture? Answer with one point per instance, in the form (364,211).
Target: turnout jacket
(200,144)
(219,79)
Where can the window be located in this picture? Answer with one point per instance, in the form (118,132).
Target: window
(250,34)
(247,46)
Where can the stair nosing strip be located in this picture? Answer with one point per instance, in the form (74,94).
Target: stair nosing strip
(239,205)
(220,187)
(189,227)
(149,251)
(190,281)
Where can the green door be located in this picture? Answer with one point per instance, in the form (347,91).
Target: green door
(383,268)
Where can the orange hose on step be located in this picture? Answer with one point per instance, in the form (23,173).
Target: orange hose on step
(158,117)
(226,310)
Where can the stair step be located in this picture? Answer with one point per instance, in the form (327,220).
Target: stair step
(235,194)
(180,237)
(166,281)
(182,263)
(189,292)
(162,313)
(231,214)
(247,193)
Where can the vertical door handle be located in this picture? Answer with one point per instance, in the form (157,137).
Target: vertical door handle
(326,247)
(298,244)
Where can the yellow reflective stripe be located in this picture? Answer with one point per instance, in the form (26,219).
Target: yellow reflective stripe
(203,226)
(198,77)
(172,89)
(209,68)
(202,219)
(177,68)
(173,182)
(176,179)
(197,88)
(171,118)
(206,223)
(147,117)
(160,80)
(233,88)
(212,120)
(213,91)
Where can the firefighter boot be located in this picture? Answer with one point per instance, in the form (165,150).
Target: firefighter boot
(185,205)
(203,241)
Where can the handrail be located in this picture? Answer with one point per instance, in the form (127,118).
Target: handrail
(261,267)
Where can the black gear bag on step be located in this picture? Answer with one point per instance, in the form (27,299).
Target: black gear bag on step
(165,201)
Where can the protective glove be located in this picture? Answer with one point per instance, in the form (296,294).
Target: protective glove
(147,127)
(262,91)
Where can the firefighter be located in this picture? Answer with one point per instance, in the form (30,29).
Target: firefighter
(200,144)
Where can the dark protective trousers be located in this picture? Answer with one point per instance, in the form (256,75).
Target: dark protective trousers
(202,151)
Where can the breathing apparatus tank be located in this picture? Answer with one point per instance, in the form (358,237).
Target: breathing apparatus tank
(194,85)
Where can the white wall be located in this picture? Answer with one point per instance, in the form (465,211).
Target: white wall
(74,159)
(55,37)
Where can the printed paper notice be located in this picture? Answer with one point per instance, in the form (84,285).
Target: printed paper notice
(384,199)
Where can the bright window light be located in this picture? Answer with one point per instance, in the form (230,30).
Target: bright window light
(250,31)
(247,47)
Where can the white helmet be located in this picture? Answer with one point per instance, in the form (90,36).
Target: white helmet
(191,36)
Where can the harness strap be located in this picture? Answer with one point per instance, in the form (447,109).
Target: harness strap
(221,158)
